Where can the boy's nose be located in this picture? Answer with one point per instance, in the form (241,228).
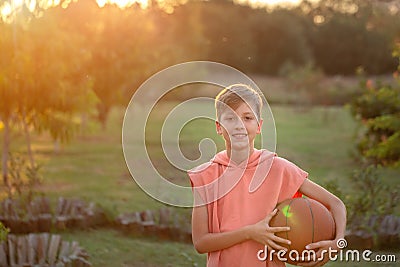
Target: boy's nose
(239,124)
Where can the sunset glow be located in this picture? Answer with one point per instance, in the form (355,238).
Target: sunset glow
(123,3)
(276,2)
(271,3)
(6,10)
(145,3)
(10,9)
(9,6)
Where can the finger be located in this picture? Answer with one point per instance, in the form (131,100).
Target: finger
(270,215)
(319,254)
(317,244)
(280,240)
(275,246)
(278,229)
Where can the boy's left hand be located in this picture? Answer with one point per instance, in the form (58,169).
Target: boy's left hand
(322,249)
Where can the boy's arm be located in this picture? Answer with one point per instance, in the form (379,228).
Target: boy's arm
(204,241)
(338,210)
(329,200)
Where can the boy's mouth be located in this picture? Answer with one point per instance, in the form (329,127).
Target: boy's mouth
(239,135)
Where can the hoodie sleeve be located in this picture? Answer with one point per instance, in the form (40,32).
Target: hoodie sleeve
(200,177)
(292,178)
(197,175)
(197,182)
(204,182)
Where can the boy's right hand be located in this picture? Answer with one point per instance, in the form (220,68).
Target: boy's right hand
(264,234)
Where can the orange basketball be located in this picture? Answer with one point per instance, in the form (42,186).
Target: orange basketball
(309,222)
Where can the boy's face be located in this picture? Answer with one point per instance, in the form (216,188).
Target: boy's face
(239,127)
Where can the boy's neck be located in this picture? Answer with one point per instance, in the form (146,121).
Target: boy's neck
(238,156)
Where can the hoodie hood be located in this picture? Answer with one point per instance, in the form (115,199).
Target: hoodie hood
(256,169)
(255,159)
(259,164)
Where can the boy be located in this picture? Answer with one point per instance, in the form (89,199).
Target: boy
(230,220)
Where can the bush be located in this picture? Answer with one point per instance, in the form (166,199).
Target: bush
(22,176)
(372,199)
(3,232)
(378,108)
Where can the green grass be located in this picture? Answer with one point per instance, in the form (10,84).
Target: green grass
(92,167)
(111,248)
(307,137)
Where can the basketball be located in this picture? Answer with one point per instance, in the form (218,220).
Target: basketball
(309,222)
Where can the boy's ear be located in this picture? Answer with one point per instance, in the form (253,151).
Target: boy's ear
(218,127)
(259,126)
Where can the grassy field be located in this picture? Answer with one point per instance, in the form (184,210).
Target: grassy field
(92,167)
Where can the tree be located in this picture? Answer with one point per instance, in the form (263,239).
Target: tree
(353,33)
(41,83)
(118,44)
(9,98)
(378,108)
(281,38)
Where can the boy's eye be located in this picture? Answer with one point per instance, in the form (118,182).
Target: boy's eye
(248,118)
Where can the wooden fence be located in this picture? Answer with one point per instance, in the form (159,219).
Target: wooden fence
(41,250)
(37,215)
(163,224)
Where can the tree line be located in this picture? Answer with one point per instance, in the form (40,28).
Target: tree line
(113,50)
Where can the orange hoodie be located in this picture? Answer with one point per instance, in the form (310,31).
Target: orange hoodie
(237,195)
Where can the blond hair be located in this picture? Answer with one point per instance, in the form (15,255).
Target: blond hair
(236,94)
